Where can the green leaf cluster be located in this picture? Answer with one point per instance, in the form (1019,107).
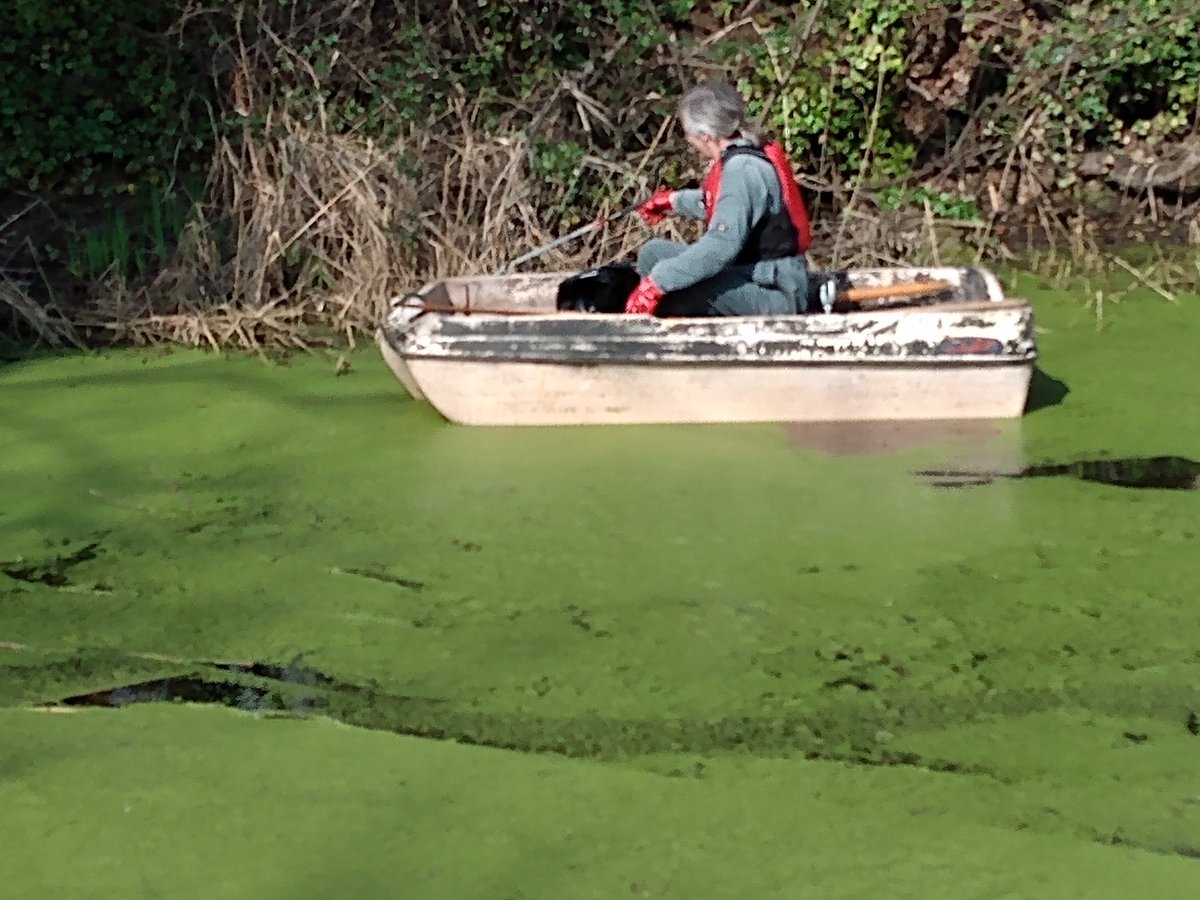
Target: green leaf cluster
(1119,68)
(828,88)
(93,95)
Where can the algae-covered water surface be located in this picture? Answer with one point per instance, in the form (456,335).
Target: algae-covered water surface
(265,631)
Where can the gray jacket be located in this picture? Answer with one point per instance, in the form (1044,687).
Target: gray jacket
(750,190)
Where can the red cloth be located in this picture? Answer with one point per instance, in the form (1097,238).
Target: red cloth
(658,207)
(645,298)
(792,200)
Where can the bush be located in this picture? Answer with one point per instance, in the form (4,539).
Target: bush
(93,94)
(490,126)
(1115,72)
(828,86)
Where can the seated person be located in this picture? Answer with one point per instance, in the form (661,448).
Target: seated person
(751,259)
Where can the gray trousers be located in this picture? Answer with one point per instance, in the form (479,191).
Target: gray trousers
(733,292)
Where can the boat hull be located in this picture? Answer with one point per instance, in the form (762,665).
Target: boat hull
(516,393)
(966,357)
(399,367)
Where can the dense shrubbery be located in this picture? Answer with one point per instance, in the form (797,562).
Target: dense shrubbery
(485,125)
(94,94)
(91,91)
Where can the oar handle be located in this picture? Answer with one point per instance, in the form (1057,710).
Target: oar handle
(878,292)
(829,295)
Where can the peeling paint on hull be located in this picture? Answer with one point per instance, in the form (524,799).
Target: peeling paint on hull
(961,358)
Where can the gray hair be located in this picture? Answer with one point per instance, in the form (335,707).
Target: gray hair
(714,109)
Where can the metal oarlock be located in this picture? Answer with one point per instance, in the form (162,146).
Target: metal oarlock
(828,294)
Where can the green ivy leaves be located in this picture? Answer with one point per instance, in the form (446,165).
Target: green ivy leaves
(91,93)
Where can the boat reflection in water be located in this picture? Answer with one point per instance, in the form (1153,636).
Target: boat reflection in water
(962,453)
(959,450)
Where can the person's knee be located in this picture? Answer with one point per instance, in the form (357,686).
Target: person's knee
(653,252)
(752,300)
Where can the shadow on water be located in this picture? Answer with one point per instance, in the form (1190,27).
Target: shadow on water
(1174,473)
(1044,391)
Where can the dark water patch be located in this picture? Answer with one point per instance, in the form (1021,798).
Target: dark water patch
(53,572)
(581,619)
(380,574)
(1175,473)
(254,687)
(859,684)
(208,687)
(182,689)
(1117,839)
(300,690)
(292,673)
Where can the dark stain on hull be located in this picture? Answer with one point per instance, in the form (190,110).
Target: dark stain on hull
(1173,473)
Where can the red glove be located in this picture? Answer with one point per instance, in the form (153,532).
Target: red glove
(645,297)
(658,207)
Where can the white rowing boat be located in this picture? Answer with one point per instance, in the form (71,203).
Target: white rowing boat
(927,343)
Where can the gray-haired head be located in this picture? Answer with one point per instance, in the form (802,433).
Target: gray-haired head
(715,110)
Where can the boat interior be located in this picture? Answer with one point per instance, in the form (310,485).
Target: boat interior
(829,291)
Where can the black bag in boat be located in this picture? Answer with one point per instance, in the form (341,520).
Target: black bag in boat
(601,290)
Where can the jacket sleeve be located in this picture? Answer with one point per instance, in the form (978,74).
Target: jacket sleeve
(690,202)
(743,200)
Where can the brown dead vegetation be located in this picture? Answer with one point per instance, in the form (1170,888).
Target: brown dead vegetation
(306,229)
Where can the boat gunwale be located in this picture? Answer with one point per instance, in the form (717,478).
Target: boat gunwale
(999,305)
(675,330)
(933,361)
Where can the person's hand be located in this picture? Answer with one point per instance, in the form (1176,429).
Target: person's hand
(645,297)
(658,207)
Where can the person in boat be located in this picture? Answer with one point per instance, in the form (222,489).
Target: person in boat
(751,258)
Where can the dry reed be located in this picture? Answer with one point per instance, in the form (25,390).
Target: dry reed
(306,232)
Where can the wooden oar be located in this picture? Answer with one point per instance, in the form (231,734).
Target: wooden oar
(829,296)
(851,295)
(883,291)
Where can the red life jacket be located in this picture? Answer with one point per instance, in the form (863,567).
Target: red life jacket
(795,214)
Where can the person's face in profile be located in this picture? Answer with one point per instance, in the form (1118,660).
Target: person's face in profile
(706,146)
